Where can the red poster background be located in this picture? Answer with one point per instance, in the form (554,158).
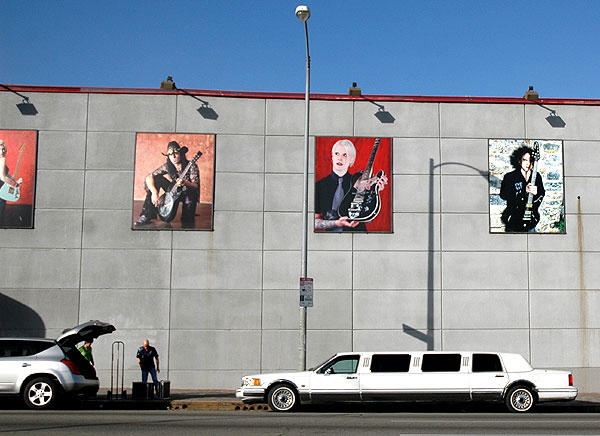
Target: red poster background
(383,161)
(13,140)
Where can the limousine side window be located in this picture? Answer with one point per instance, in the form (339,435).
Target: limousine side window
(341,365)
(390,363)
(441,363)
(486,363)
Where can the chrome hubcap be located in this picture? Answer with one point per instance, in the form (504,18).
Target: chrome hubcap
(40,394)
(283,399)
(521,399)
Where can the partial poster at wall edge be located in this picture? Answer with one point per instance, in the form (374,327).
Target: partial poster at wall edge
(18,167)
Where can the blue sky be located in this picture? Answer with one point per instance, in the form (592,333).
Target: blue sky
(399,47)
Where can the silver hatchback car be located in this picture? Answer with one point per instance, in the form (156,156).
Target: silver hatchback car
(43,371)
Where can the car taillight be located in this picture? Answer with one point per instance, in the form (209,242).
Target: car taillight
(570,379)
(74,368)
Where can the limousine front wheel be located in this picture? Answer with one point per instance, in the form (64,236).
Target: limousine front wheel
(283,398)
(520,399)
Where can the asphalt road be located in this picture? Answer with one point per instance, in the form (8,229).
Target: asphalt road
(154,423)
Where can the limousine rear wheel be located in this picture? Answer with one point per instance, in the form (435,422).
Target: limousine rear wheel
(282,398)
(520,399)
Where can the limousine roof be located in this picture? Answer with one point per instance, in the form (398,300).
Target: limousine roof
(513,362)
(424,352)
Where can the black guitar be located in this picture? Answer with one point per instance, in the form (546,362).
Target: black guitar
(362,203)
(168,202)
(527,217)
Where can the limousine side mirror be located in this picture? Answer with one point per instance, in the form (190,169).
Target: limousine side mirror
(329,371)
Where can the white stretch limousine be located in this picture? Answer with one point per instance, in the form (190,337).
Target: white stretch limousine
(412,376)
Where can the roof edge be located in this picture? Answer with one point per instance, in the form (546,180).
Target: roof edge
(296,95)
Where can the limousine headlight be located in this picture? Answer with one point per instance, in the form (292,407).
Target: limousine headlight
(250,381)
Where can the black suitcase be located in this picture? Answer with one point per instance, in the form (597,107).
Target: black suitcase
(164,389)
(142,391)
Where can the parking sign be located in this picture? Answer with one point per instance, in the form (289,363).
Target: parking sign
(306,292)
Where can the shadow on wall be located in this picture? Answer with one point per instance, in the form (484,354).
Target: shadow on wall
(17,319)
(428,337)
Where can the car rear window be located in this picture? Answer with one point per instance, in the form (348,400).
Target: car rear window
(39,346)
(390,363)
(441,363)
(20,348)
(486,363)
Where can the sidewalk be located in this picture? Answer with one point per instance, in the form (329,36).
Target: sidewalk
(224,400)
(180,399)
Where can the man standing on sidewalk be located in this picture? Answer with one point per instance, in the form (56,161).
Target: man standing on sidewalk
(145,357)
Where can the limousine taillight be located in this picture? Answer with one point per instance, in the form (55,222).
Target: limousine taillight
(570,379)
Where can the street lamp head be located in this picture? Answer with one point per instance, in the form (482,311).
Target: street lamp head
(303,13)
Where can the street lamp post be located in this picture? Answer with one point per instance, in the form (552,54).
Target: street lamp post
(303,14)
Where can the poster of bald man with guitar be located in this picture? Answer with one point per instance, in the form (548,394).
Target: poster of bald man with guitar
(358,201)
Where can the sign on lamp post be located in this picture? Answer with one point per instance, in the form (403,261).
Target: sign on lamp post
(306,292)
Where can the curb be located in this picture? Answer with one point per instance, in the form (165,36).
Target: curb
(225,401)
(217,405)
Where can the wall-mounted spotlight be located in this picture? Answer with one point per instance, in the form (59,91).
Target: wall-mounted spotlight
(530,94)
(168,84)
(354,90)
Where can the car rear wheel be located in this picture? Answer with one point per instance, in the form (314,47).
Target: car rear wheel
(40,393)
(520,399)
(282,398)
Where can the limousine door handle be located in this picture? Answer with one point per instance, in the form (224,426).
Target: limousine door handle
(500,375)
(26,364)
(351,377)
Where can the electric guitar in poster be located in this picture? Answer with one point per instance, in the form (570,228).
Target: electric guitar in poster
(10,192)
(168,202)
(362,202)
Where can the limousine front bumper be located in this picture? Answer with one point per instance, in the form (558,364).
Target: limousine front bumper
(250,395)
(557,394)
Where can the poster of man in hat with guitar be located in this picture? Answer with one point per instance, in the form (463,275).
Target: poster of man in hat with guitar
(177,181)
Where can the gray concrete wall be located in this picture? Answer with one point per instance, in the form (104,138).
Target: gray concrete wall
(218,305)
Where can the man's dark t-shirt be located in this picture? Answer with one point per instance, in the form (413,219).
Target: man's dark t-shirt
(147,357)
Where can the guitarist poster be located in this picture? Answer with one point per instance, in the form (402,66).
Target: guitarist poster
(173,181)
(18,161)
(353,184)
(526,186)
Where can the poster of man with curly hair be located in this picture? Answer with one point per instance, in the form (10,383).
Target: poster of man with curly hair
(526,186)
